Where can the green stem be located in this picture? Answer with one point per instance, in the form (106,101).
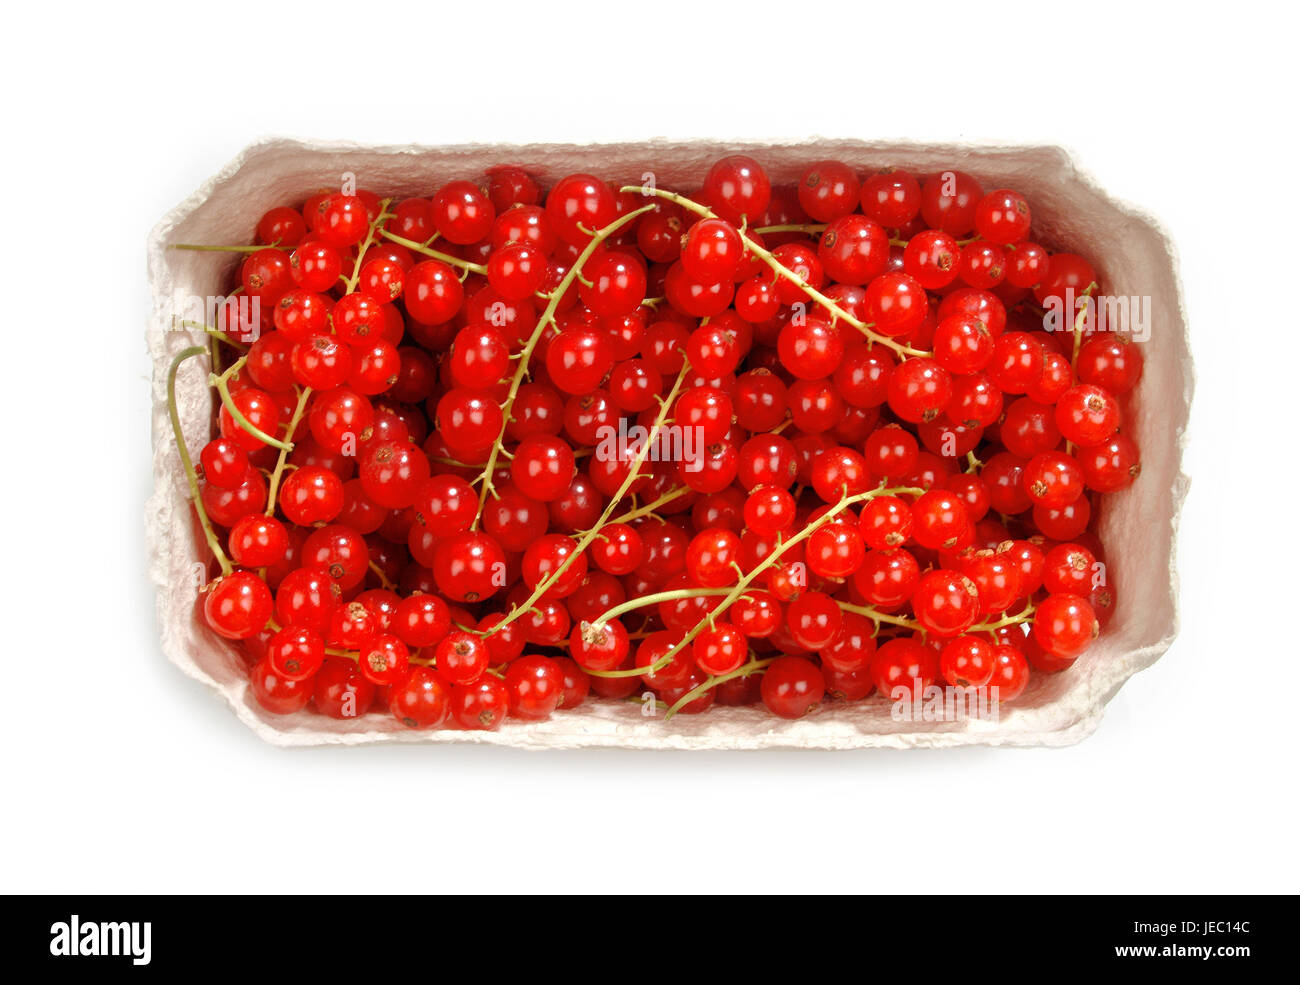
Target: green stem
(191,476)
(633,474)
(223,387)
(783,271)
(811,228)
(631,605)
(878,617)
(424,250)
(744,670)
(521,370)
(771,560)
(274,485)
(351,283)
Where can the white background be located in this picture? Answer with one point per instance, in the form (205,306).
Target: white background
(121,775)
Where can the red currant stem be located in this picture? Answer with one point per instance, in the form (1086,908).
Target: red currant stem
(744,670)
(633,474)
(878,617)
(225,249)
(521,370)
(187,463)
(273,487)
(973,464)
(898,242)
(1078,325)
(639,603)
(675,493)
(653,302)
(783,271)
(811,228)
(384,580)
(1024,615)
(770,561)
(351,282)
(215,333)
(412,245)
(223,388)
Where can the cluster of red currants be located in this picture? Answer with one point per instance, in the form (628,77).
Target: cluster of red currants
(895,484)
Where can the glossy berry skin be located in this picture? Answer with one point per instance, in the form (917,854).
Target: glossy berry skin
(1053,479)
(546,556)
(469,567)
(710,557)
(792,687)
(384,659)
(1110,466)
(892,198)
(885,523)
(481,706)
(543,467)
(257,541)
(737,187)
(919,390)
(1010,672)
(853,646)
(421,620)
(1110,362)
(853,250)
(1002,216)
(238,605)
(946,603)
(828,190)
(600,647)
(534,686)
(810,349)
(461,213)
(578,359)
(769,510)
(276,694)
(578,206)
(712,251)
(931,258)
(421,699)
(432,292)
(393,473)
(903,668)
(940,521)
(1087,415)
(967,661)
(836,550)
(814,620)
(340,691)
(617,284)
(258,409)
(757,613)
(887,578)
(295,653)
(720,650)
(446,505)
(949,201)
(461,657)
(1065,625)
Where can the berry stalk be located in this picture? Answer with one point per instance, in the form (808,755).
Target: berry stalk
(521,371)
(782,270)
(190,475)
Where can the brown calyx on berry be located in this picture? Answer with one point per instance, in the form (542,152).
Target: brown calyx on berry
(593,635)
